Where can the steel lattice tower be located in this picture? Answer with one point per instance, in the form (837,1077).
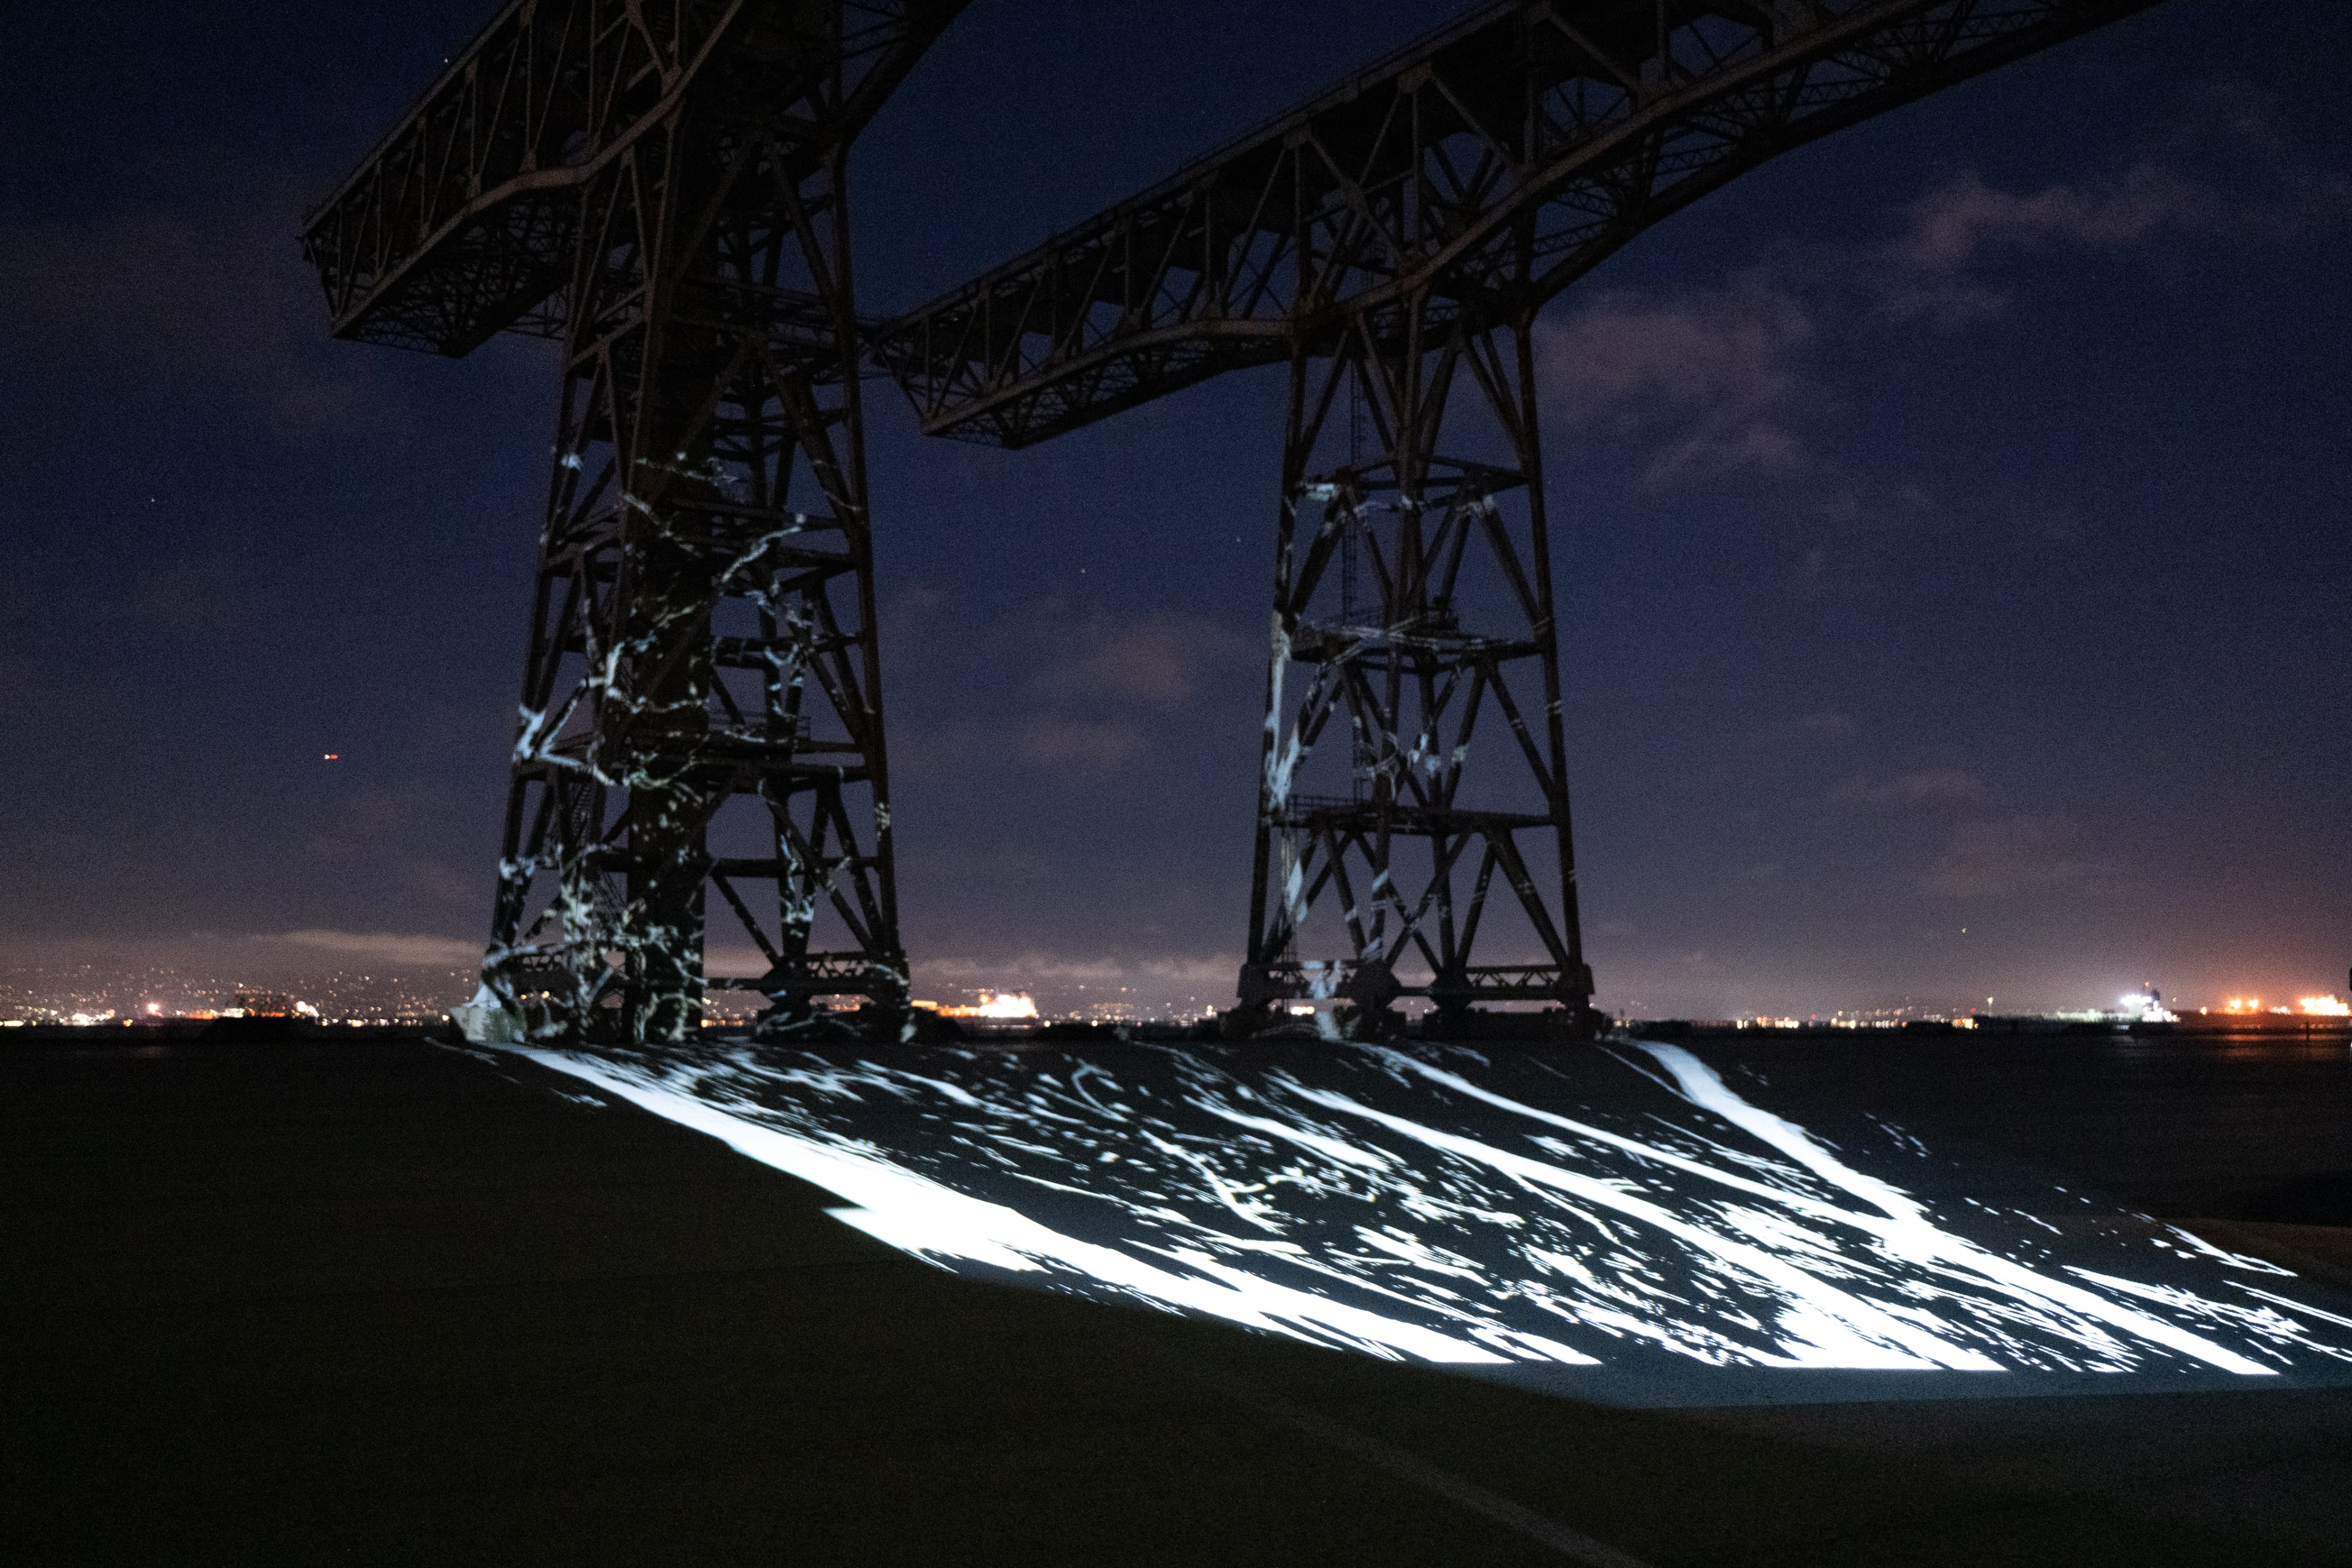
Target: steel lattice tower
(662,187)
(702,703)
(1402,658)
(1392,240)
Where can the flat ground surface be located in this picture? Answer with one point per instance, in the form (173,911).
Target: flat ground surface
(384,1302)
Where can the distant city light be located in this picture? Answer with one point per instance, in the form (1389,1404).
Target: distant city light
(995,1005)
(2325,1006)
(999,1015)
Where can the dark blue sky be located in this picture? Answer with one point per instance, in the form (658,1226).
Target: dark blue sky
(1953,512)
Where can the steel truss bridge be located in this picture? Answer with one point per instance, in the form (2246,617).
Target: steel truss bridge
(662,187)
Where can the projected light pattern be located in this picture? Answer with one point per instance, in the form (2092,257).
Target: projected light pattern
(1442,1204)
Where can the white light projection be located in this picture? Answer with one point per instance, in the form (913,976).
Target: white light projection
(1578,1214)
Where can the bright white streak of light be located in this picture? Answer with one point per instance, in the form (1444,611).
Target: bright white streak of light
(1817,1323)
(1901,1225)
(1829,1327)
(916,1215)
(1912,1234)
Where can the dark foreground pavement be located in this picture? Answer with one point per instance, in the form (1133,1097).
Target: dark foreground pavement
(383,1302)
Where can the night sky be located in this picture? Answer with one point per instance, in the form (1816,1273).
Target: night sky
(1953,530)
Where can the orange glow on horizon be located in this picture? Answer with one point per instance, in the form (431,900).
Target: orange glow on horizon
(995,1005)
(2325,1007)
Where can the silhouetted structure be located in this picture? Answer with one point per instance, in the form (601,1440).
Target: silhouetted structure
(661,187)
(1392,241)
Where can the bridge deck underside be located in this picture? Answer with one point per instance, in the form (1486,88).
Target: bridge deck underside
(1480,171)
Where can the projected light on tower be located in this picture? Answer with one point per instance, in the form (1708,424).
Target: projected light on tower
(663,191)
(1391,242)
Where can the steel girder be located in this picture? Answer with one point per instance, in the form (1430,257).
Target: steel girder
(1480,171)
(1417,603)
(702,700)
(462,222)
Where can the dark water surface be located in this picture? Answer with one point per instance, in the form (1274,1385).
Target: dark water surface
(2255,1126)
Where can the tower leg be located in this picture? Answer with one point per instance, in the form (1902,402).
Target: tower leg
(702,709)
(1414,761)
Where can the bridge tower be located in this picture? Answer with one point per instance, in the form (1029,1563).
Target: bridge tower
(1390,240)
(665,191)
(1412,600)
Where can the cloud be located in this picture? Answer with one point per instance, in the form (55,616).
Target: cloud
(1824,727)
(1155,659)
(1041,973)
(726,963)
(1094,689)
(387,947)
(1922,786)
(1965,221)
(1086,746)
(1959,221)
(1064,982)
(448,884)
(1998,855)
(218,304)
(1029,969)
(1708,383)
(2267,191)
(1719,382)
(1717,386)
